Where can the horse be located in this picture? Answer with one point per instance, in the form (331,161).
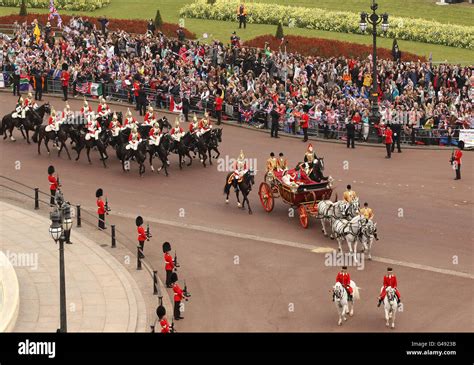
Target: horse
(213,143)
(182,149)
(60,137)
(32,119)
(161,151)
(343,305)
(82,142)
(390,306)
(368,233)
(349,230)
(326,212)
(317,170)
(124,154)
(244,185)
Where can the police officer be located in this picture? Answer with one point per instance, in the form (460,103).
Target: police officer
(275,119)
(397,130)
(38,74)
(350,127)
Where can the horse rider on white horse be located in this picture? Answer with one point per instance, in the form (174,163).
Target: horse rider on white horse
(389,280)
(129,121)
(344,278)
(240,169)
(155,135)
(350,195)
(134,139)
(114,126)
(103,110)
(93,127)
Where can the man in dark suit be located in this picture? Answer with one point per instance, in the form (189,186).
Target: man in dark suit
(350,128)
(275,116)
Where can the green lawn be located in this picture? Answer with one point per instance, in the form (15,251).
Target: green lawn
(146,9)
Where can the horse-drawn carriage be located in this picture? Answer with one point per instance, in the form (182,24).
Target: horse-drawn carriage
(303,195)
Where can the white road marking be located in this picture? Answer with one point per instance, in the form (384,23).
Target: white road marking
(312,248)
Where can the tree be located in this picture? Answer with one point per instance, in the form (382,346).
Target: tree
(158,20)
(23,11)
(211,2)
(279,33)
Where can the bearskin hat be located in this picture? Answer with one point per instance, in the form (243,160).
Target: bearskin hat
(51,170)
(174,277)
(166,247)
(160,311)
(99,193)
(139,221)
(64,66)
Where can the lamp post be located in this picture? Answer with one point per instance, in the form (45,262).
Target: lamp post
(374,19)
(60,228)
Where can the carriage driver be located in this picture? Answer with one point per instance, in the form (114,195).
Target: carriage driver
(240,169)
(103,110)
(282,163)
(344,278)
(349,194)
(93,127)
(134,139)
(115,126)
(389,280)
(155,135)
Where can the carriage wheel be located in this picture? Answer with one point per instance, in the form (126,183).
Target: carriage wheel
(266,197)
(303,216)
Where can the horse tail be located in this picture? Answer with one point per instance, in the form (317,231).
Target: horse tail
(355,290)
(227,185)
(2,126)
(35,135)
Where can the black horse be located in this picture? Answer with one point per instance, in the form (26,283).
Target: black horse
(32,119)
(125,155)
(161,151)
(41,134)
(213,143)
(79,137)
(182,148)
(317,170)
(244,185)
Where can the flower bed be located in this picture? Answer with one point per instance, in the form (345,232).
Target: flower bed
(130,26)
(417,30)
(83,5)
(326,48)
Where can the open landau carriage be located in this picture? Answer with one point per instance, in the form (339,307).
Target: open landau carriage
(304,195)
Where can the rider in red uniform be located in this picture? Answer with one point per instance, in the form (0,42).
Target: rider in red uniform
(389,280)
(344,278)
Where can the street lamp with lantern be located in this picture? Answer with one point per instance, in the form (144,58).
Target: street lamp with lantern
(374,19)
(60,229)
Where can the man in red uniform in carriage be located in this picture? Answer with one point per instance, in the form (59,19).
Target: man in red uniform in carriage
(389,280)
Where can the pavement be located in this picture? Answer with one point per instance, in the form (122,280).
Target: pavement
(101,295)
(263,272)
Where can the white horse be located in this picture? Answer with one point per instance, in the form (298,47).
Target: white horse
(368,233)
(390,305)
(343,305)
(349,230)
(328,210)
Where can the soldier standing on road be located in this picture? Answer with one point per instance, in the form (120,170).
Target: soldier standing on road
(141,235)
(100,208)
(161,313)
(169,263)
(388,141)
(178,296)
(53,185)
(456,160)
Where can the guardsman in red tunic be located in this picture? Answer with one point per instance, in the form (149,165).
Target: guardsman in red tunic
(169,263)
(103,110)
(141,234)
(150,117)
(129,121)
(344,278)
(457,163)
(178,296)
(388,134)
(194,125)
(115,126)
(86,109)
(53,185)
(164,325)
(389,280)
(100,208)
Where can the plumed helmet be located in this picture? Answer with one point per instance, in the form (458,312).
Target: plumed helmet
(86,104)
(241,156)
(115,116)
(67,107)
(310,147)
(139,221)
(176,123)
(166,247)
(21,99)
(150,108)
(53,112)
(160,311)
(65,66)
(195,118)
(129,113)
(174,277)
(156,125)
(99,193)
(30,95)
(51,169)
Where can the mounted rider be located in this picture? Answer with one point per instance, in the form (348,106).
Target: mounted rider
(194,125)
(54,122)
(86,109)
(93,127)
(155,135)
(310,159)
(389,280)
(30,103)
(350,195)
(150,116)
(129,121)
(114,126)
(21,108)
(344,278)
(177,132)
(240,169)
(67,113)
(103,110)
(134,139)
(204,125)
(367,212)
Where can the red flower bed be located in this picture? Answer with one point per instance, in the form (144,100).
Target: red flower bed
(326,48)
(130,26)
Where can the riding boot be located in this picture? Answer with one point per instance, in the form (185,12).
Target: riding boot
(376,237)
(235,185)
(380,302)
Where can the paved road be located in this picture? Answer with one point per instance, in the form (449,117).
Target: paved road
(259,272)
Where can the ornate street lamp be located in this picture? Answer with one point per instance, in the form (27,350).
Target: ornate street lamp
(60,229)
(374,19)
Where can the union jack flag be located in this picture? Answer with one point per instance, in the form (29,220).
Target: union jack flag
(54,13)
